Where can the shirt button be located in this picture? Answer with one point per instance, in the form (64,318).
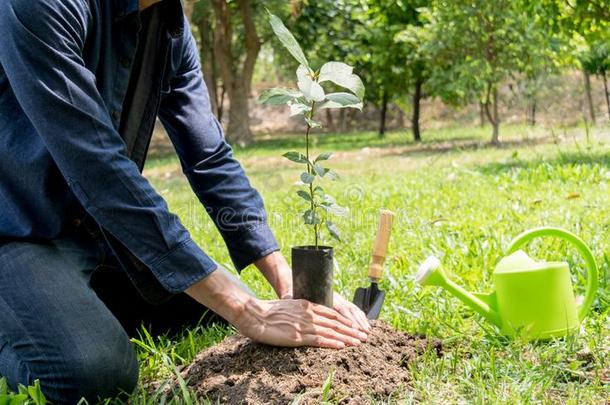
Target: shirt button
(116,115)
(125,62)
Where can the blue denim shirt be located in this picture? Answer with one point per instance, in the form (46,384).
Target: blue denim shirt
(64,72)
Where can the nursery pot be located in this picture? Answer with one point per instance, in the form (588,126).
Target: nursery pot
(312,274)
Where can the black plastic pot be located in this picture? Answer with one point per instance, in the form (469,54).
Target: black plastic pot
(312,274)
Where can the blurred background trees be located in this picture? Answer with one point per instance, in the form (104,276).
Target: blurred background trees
(488,56)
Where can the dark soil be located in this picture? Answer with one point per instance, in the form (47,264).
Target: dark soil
(240,371)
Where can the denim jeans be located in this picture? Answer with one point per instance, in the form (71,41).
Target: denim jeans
(66,313)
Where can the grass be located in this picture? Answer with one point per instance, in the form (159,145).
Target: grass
(457,198)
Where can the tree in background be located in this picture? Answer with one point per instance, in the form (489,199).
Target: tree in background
(384,63)
(476,45)
(230,40)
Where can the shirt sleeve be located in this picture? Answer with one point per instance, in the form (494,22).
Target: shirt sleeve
(41,53)
(215,176)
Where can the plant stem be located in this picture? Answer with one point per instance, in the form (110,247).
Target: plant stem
(310,171)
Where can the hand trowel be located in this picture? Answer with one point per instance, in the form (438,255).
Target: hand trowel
(370,299)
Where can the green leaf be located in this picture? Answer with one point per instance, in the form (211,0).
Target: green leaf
(23,389)
(333,175)
(13,399)
(36,394)
(311,89)
(341,74)
(323,156)
(278,96)
(341,100)
(307,178)
(3,386)
(311,218)
(318,191)
(298,108)
(320,171)
(326,387)
(287,39)
(334,209)
(312,123)
(296,157)
(304,195)
(333,230)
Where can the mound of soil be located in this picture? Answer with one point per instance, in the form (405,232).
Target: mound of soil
(239,370)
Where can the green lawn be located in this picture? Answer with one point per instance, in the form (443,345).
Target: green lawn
(457,198)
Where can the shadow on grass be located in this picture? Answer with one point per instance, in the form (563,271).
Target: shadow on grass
(563,159)
(464,144)
(345,141)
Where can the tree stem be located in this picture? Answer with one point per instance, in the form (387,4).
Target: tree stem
(311,171)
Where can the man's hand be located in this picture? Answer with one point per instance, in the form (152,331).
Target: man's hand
(351,312)
(297,323)
(279,274)
(282,323)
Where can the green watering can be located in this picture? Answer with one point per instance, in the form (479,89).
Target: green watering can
(531,298)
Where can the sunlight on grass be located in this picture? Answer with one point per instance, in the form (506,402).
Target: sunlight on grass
(458,199)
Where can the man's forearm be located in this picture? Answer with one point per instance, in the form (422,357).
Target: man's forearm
(220,293)
(276,270)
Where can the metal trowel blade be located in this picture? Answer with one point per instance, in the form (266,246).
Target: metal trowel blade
(369,300)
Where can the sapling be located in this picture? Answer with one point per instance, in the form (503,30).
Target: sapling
(308,98)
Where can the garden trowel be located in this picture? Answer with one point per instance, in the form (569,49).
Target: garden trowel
(370,299)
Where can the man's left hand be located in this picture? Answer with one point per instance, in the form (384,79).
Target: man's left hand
(351,312)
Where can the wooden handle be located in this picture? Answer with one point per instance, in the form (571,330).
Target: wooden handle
(381,244)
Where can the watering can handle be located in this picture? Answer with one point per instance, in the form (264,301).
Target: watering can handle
(583,249)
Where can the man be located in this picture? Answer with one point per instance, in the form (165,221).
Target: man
(81,84)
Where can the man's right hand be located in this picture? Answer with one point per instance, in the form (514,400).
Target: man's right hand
(297,323)
(279,323)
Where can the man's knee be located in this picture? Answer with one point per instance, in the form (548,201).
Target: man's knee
(95,373)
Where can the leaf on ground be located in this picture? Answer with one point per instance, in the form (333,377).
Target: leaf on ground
(572,196)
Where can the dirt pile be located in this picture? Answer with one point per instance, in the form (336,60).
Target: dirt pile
(240,371)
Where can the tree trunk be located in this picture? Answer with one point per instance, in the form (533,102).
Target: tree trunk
(342,121)
(604,78)
(329,120)
(531,111)
(481,114)
(493,116)
(351,115)
(238,129)
(589,98)
(416,107)
(208,64)
(382,115)
(236,77)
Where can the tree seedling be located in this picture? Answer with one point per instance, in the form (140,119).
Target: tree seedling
(304,101)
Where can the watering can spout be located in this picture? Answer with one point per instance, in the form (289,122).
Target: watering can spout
(430,273)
